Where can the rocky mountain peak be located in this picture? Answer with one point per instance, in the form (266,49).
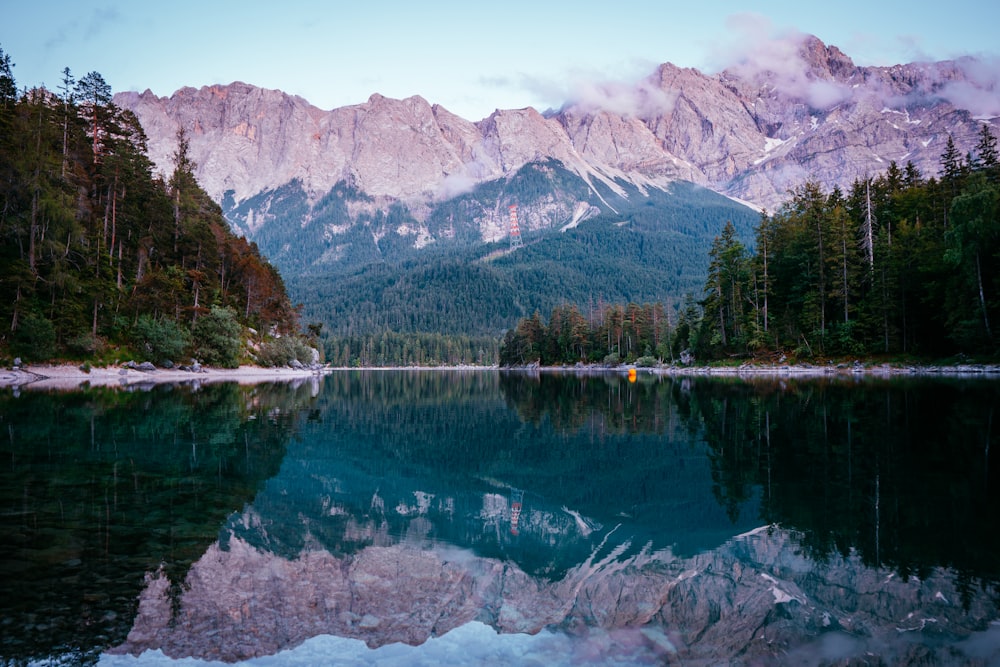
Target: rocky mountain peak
(789,111)
(826,61)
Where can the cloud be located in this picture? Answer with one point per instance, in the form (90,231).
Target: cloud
(589,92)
(644,100)
(465,180)
(979,91)
(765,56)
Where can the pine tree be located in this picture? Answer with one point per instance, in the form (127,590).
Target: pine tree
(986,152)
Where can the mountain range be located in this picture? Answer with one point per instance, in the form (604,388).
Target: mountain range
(326,194)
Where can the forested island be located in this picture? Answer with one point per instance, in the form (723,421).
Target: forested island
(103,261)
(901,265)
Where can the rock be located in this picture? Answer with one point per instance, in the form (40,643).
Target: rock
(166,363)
(296,364)
(17,362)
(146,367)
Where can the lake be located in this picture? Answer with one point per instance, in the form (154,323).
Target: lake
(484,517)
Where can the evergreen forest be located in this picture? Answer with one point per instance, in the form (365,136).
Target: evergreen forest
(104,261)
(448,303)
(900,265)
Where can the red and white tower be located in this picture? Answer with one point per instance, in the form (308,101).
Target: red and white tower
(515,230)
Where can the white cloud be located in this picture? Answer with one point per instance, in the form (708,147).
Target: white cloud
(761,54)
(979,93)
(643,100)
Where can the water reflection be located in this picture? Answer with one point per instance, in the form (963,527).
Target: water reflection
(665,520)
(100,487)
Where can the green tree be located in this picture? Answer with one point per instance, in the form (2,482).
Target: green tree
(8,87)
(725,289)
(972,249)
(986,153)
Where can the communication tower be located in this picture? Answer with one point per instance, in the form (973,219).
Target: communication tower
(515,230)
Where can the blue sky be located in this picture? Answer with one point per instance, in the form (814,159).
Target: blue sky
(470,57)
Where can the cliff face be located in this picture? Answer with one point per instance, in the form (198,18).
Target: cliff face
(324,191)
(750,131)
(755,598)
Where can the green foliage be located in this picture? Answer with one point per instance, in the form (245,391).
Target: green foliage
(160,339)
(218,338)
(898,265)
(282,351)
(411,349)
(618,334)
(34,339)
(91,241)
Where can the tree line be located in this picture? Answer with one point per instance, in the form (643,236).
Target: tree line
(390,348)
(900,264)
(102,259)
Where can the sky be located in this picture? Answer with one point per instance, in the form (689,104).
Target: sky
(470,57)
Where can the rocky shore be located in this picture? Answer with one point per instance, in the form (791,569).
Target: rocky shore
(67,376)
(64,377)
(799,370)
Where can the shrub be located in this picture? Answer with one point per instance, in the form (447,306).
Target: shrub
(85,344)
(160,340)
(217,338)
(35,338)
(281,351)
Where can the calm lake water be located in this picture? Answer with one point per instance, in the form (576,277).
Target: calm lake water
(442,517)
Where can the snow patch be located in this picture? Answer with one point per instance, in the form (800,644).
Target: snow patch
(755,531)
(585,525)
(770,145)
(780,595)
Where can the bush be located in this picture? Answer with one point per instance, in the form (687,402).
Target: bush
(85,344)
(34,339)
(217,338)
(160,340)
(281,352)
(646,362)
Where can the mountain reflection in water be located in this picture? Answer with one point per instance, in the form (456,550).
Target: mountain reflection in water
(667,520)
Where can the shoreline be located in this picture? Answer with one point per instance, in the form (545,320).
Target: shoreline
(781,370)
(67,377)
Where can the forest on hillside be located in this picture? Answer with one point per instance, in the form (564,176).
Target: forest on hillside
(101,260)
(902,264)
(451,301)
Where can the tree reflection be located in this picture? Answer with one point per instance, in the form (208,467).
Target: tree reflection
(897,470)
(100,487)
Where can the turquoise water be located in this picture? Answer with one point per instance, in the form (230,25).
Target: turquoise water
(367,517)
